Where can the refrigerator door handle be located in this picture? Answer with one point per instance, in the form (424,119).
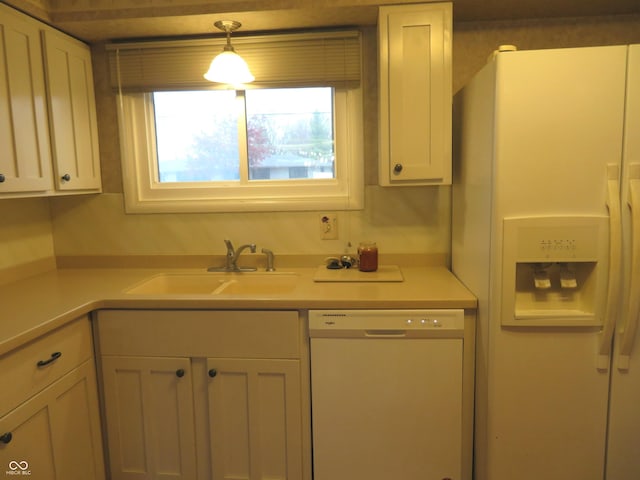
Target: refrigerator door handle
(615,263)
(631,322)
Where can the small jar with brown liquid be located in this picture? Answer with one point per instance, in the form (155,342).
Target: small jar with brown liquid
(368,257)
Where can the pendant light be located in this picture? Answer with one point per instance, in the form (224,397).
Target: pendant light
(229,67)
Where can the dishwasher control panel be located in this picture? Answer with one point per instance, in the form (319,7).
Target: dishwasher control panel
(390,323)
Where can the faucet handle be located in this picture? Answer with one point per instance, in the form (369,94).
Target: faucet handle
(229,245)
(269,255)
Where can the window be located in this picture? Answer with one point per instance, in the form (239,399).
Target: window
(232,156)
(289,135)
(287,144)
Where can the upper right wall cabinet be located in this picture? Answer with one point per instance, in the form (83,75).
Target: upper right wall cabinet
(415,94)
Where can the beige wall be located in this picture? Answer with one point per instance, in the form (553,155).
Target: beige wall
(474,42)
(414,220)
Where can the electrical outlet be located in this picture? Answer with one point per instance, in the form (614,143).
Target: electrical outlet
(329,226)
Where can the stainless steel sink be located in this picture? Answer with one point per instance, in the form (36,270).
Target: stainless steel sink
(247,283)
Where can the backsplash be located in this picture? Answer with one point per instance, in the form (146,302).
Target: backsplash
(405,220)
(26,234)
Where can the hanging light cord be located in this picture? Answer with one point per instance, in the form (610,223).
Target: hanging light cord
(228,26)
(228,47)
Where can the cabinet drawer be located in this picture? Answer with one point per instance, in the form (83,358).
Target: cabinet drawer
(199,333)
(30,368)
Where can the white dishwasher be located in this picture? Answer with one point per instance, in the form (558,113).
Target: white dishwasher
(386,394)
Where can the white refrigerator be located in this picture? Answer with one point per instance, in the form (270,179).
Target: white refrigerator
(546,233)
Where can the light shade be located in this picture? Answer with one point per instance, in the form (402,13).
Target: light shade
(229,67)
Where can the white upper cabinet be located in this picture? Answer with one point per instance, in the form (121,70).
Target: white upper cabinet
(72,110)
(415,94)
(48,126)
(25,157)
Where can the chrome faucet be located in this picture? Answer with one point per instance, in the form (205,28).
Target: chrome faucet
(231,259)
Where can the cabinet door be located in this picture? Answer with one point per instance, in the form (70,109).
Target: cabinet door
(415,94)
(56,433)
(72,111)
(255,419)
(76,428)
(25,158)
(149,417)
(26,436)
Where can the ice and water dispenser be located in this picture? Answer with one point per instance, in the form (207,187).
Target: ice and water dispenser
(554,271)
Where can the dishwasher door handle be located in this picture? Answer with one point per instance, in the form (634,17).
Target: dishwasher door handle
(385,333)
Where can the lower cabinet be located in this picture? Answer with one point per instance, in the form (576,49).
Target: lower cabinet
(204,395)
(254,419)
(54,434)
(149,410)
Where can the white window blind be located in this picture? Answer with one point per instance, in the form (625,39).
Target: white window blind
(330,58)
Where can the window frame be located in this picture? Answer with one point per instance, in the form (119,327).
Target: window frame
(145,194)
